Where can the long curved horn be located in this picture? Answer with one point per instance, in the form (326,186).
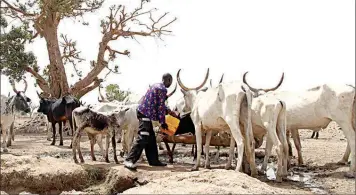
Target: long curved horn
(244,81)
(276,87)
(101,95)
(24,80)
(221,79)
(174,90)
(100,100)
(39,95)
(196,88)
(12,82)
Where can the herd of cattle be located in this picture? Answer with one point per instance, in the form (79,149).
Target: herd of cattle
(236,109)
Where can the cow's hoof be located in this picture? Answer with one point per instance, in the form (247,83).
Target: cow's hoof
(76,161)
(194,169)
(121,154)
(170,161)
(279,179)
(207,167)
(61,143)
(93,159)
(52,143)
(254,174)
(350,174)
(228,166)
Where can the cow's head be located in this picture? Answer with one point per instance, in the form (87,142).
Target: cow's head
(20,100)
(221,79)
(45,104)
(117,118)
(257,92)
(189,94)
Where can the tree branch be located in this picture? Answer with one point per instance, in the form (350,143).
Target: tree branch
(18,10)
(70,53)
(85,90)
(42,83)
(116,26)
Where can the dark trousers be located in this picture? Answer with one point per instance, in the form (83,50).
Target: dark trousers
(145,139)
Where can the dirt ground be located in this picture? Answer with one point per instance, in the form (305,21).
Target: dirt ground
(33,165)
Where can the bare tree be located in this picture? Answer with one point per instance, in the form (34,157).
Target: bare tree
(42,17)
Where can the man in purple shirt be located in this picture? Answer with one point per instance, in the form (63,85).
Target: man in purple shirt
(152,108)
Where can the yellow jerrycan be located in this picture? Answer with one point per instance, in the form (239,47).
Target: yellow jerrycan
(172,124)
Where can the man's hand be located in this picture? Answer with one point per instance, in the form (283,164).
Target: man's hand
(172,113)
(164,126)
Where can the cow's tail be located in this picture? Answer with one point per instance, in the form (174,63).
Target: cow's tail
(248,129)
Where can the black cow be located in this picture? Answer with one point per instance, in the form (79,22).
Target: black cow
(58,111)
(186,125)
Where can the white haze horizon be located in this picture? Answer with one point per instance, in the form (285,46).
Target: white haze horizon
(312,42)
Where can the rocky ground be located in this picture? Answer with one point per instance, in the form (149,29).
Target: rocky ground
(33,165)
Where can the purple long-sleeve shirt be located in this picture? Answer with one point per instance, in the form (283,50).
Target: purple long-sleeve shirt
(153,104)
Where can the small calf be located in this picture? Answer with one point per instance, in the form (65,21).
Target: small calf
(96,123)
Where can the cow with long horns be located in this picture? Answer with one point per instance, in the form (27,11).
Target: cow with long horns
(269,117)
(14,105)
(186,125)
(58,111)
(315,108)
(218,109)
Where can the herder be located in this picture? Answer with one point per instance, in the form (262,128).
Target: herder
(152,108)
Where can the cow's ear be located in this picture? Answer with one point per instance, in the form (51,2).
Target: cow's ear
(204,89)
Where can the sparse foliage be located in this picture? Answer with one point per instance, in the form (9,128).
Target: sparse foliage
(40,18)
(14,59)
(113,92)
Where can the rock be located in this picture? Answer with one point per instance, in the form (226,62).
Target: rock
(3,193)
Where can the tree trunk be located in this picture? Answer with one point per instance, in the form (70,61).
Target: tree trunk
(58,78)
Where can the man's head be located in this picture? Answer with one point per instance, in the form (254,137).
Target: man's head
(167,80)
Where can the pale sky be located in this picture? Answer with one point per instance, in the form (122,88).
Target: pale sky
(313,42)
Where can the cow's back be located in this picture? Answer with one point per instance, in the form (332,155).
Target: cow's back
(314,108)
(211,109)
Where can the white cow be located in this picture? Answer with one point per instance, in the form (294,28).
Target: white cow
(13,107)
(218,109)
(269,117)
(315,108)
(179,107)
